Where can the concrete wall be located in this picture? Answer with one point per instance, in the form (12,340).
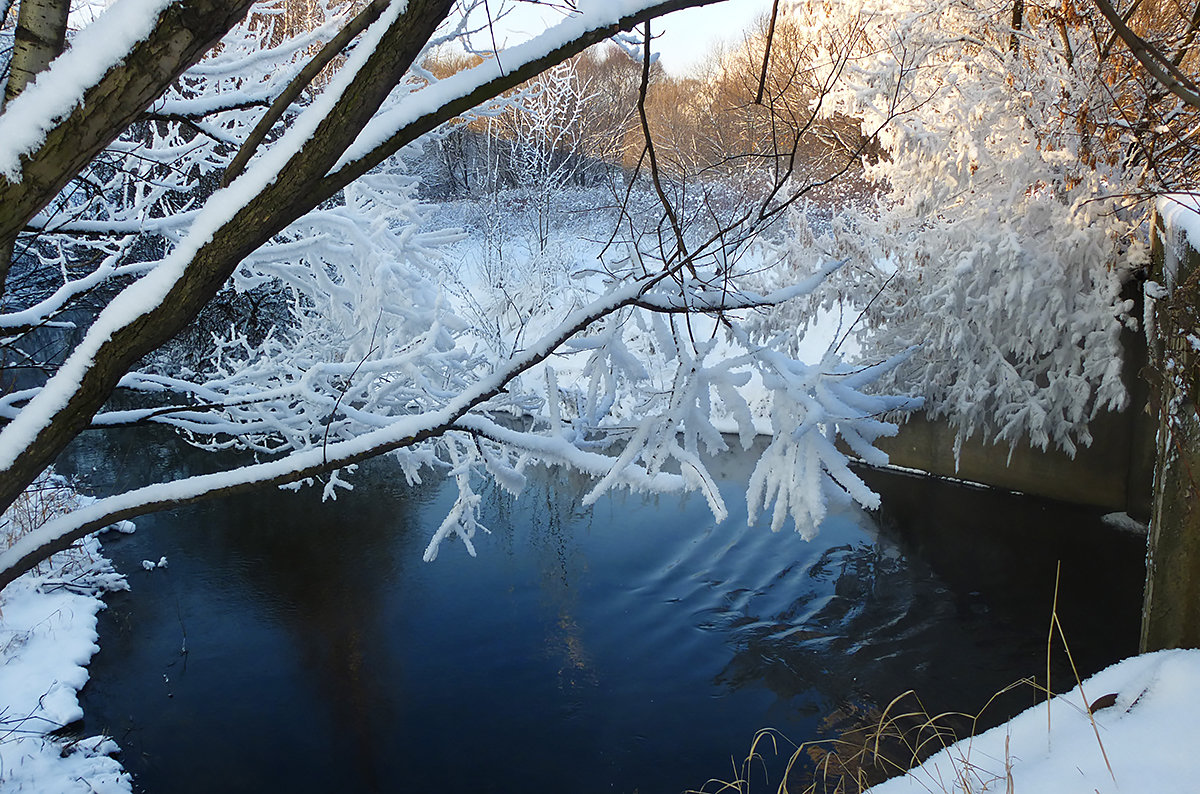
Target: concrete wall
(1099,475)
(1171,611)
(1114,473)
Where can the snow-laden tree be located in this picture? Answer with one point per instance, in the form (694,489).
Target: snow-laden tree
(1020,142)
(182,147)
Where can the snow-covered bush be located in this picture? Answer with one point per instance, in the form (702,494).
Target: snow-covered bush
(1011,214)
(47,636)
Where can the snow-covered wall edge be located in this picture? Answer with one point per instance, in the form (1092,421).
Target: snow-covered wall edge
(1178,230)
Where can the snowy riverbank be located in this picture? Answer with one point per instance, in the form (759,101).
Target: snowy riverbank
(47,637)
(1140,735)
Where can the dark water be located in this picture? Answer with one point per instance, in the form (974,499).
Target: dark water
(635,646)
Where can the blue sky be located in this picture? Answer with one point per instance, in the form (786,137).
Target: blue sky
(691,34)
(687,36)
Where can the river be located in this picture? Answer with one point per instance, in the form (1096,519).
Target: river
(636,646)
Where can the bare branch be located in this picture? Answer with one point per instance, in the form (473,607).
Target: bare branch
(762,80)
(1158,65)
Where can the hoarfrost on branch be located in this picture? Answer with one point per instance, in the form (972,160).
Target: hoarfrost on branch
(366,354)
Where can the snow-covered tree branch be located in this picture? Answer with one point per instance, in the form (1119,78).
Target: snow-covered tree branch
(1012,212)
(249,174)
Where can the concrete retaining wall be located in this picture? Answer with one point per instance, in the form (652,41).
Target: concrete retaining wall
(1098,476)
(1171,611)
(1115,473)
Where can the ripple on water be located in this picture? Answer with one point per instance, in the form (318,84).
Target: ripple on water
(637,645)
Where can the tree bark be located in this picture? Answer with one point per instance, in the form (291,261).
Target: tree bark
(39,38)
(185,31)
(1018,21)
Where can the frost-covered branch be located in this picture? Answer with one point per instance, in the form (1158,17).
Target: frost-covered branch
(403,431)
(116,67)
(365,354)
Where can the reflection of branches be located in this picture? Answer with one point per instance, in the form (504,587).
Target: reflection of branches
(850,596)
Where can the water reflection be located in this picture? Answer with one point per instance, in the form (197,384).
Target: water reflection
(864,620)
(999,554)
(321,573)
(635,645)
(548,518)
(312,584)
(951,598)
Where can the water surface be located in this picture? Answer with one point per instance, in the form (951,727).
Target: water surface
(297,646)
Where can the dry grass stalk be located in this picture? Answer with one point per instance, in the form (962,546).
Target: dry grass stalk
(49,496)
(873,745)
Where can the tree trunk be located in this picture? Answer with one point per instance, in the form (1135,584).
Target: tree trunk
(1171,609)
(1018,20)
(40,37)
(185,31)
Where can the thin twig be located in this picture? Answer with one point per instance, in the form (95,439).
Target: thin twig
(762,80)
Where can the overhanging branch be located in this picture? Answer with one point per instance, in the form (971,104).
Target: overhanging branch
(1158,65)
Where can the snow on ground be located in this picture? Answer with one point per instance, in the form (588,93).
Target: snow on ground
(47,637)
(1144,741)
(514,286)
